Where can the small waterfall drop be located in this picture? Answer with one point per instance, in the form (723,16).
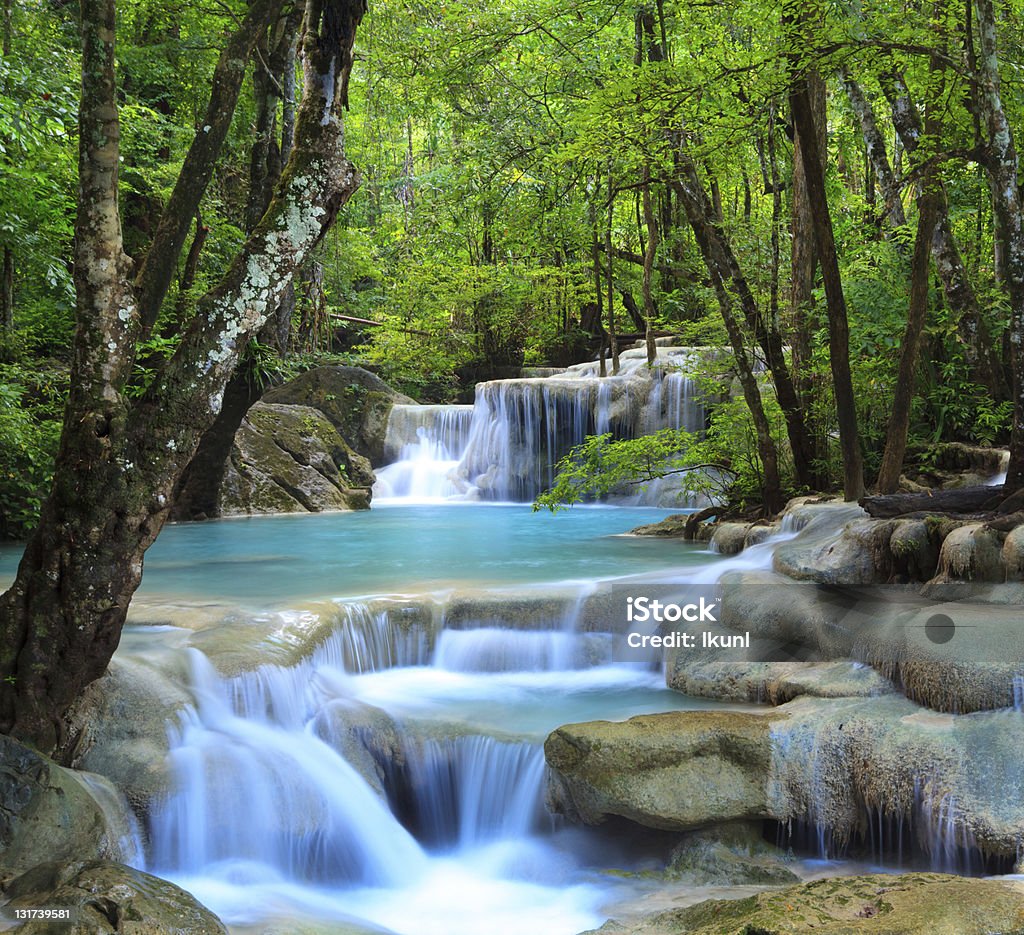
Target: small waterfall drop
(473,790)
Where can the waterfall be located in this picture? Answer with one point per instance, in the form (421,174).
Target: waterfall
(491,649)
(424,444)
(467,791)
(253,789)
(506,446)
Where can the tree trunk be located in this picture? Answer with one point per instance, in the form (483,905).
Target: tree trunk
(963,500)
(803,265)
(157,269)
(198,493)
(838,326)
(119,459)
(653,240)
(7,291)
(903,395)
(613,341)
(877,155)
(1007,205)
(982,359)
(725,265)
(699,211)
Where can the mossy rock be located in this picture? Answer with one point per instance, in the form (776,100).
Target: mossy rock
(106,898)
(291,459)
(48,812)
(876,904)
(677,771)
(671,527)
(729,855)
(355,401)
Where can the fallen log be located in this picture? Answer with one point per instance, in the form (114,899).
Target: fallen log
(963,500)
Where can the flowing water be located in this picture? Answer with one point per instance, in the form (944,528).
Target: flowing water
(370,691)
(402,784)
(394,774)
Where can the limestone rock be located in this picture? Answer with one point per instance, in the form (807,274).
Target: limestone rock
(121,726)
(858,554)
(365,736)
(355,401)
(1013,554)
(670,527)
(675,771)
(832,763)
(107,898)
(729,855)
(729,538)
(288,459)
(972,553)
(48,812)
(911,904)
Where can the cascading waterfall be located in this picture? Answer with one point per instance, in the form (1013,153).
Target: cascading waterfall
(506,446)
(254,790)
(267,793)
(395,772)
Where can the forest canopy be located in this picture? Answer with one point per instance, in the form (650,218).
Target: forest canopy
(541,184)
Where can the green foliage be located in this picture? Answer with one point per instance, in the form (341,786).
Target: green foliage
(29,432)
(721,464)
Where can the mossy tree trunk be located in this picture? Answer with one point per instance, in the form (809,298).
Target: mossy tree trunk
(120,458)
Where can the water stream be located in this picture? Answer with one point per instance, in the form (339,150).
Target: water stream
(370,692)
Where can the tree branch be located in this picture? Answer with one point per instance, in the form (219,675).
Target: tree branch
(157,270)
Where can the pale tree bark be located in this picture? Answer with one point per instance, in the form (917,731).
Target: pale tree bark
(981,356)
(877,154)
(1001,162)
(650,252)
(119,458)
(613,338)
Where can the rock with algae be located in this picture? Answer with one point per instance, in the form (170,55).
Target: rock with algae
(876,904)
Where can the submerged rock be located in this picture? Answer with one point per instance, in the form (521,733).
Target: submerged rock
(291,459)
(730,855)
(105,898)
(911,904)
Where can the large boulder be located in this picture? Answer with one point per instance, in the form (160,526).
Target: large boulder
(831,763)
(121,723)
(677,771)
(877,904)
(105,898)
(356,402)
(48,812)
(288,459)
